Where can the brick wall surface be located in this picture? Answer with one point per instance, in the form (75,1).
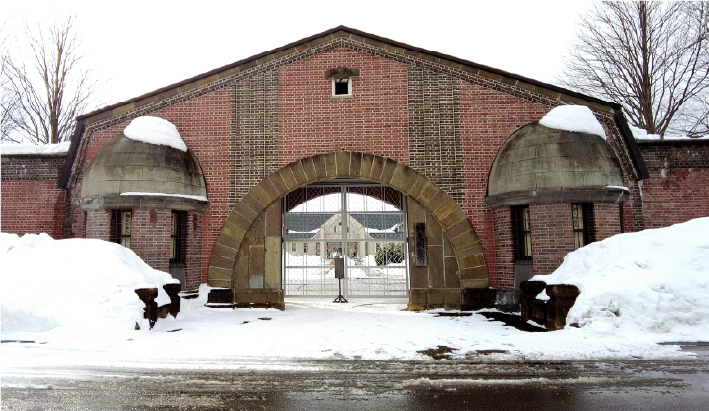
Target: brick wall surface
(504,249)
(672,196)
(193,259)
(552,236)
(30,200)
(32,206)
(606,221)
(98,224)
(374,120)
(24,167)
(150,234)
(678,187)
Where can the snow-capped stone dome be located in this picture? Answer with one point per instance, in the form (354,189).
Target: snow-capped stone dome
(147,167)
(542,165)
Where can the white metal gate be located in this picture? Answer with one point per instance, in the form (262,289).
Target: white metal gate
(364,223)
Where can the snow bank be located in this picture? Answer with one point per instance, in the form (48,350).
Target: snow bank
(573,118)
(31,149)
(651,285)
(75,286)
(155,130)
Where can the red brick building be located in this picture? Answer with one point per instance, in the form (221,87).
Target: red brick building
(485,196)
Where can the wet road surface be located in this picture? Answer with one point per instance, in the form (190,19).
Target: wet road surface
(374,385)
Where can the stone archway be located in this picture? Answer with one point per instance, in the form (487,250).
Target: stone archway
(223,266)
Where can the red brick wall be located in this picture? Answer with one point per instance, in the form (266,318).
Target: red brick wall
(98,224)
(488,118)
(32,206)
(681,195)
(193,259)
(606,220)
(150,237)
(504,248)
(552,236)
(678,187)
(311,121)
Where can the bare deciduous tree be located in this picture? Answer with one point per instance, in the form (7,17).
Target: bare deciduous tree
(8,102)
(47,84)
(652,57)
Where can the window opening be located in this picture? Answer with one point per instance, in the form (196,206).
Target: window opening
(178,243)
(522,232)
(341,87)
(120,227)
(583,224)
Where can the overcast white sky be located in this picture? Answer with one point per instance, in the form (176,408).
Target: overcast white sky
(139,46)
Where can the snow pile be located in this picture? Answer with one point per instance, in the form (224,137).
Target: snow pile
(73,286)
(641,134)
(155,130)
(651,285)
(31,149)
(573,118)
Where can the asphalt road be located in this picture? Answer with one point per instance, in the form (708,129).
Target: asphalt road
(374,385)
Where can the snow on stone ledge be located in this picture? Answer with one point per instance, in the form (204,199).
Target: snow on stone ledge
(641,134)
(155,130)
(573,118)
(191,197)
(31,149)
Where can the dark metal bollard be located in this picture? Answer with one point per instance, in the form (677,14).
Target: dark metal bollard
(148,296)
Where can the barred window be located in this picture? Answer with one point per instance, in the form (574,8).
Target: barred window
(583,224)
(178,243)
(522,235)
(120,227)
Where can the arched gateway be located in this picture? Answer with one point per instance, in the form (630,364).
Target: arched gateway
(247,256)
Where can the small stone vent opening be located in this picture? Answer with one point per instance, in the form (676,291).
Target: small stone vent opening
(341,80)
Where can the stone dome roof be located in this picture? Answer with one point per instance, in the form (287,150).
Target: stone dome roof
(541,165)
(125,165)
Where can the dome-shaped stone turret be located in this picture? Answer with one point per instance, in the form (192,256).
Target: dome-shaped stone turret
(541,165)
(152,171)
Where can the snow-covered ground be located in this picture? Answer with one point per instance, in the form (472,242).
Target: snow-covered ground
(637,290)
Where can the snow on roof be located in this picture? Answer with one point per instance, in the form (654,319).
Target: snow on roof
(573,118)
(641,134)
(32,149)
(648,285)
(155,130)
(191,197)
(51,293)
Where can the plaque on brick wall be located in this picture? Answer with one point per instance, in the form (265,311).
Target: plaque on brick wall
(420,244)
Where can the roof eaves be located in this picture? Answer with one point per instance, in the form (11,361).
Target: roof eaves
(632,145)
